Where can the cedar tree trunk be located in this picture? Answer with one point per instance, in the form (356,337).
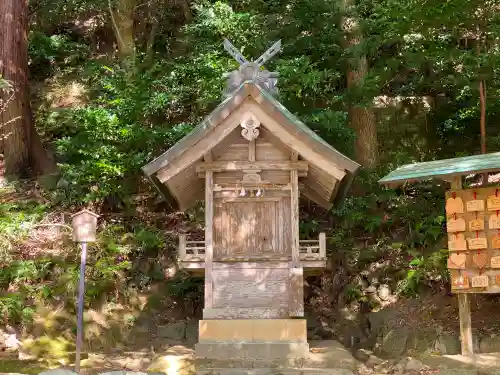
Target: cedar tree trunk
(20,146)
(361,119)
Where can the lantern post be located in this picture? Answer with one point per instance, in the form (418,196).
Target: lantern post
(84,225)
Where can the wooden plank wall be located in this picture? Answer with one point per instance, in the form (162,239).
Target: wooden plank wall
(256,285)
(235,147)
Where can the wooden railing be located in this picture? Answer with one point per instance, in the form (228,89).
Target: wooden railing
(191,251)
(194,251)
(313,249)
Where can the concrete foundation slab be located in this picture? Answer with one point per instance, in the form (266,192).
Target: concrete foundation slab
(261,351)
(249,330)
(271,371)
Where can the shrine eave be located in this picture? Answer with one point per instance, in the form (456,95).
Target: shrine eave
(445,169)
(167,163)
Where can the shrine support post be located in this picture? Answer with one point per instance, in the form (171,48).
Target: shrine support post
(209,214)
(464,303)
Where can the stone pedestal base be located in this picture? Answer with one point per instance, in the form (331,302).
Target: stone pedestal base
(248,339)
(262,351)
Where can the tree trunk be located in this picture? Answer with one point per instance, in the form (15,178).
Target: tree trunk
(188,16)
(20,145)
(482,101)
(482,98)
(13,135)
(123,22)
(361,119)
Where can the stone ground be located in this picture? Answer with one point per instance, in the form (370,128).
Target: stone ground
(414,336)
(326,357)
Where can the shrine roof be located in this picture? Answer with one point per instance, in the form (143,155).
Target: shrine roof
(273,107)
(444,169)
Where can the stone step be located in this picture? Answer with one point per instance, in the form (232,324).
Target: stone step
(258,351)
(275,371)
(322,355)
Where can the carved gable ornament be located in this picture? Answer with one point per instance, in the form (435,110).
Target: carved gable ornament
(250,125)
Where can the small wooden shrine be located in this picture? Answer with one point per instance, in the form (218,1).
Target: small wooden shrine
(472,225)
(249,160)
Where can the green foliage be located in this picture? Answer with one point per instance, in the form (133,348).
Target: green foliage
(182,287)
(404,226)
(12,309)
(353,292)
(132,115)
(16,219)
(113,265)
(50,53)
(423,271)
(106,143)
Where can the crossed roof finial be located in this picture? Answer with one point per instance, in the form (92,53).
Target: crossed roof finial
(251,71)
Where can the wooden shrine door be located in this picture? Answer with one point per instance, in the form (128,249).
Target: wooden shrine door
(252,274)
(252,228)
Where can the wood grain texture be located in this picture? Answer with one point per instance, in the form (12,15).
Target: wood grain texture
(320,182)
(256,330)
(271,177)
(296,291)
(482,243)
(209,245)
(285,226)
(246,313)
(245,228)
(298,144)
(227,193)
(224,149)
(294,217)
(190,156)
(311,267)
(251,287)
(466,339)
(284,133)
(238,164)
(252,227)
(186,187)
(465,325)
(14,111)
(250,265)
(251,150)
(268,151)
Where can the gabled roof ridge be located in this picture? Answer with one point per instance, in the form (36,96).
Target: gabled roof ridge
(271,106)
(155,165)
(351,165)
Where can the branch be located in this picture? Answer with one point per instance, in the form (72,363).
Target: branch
(4,104)
(54,225)
(115,26)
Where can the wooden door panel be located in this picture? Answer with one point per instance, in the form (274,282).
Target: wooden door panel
(246,228)
(284,226)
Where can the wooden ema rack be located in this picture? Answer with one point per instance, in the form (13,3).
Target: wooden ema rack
(473,226)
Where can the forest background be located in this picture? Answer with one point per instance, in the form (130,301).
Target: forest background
(92,90)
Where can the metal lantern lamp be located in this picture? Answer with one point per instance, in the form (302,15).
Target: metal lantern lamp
(84,225)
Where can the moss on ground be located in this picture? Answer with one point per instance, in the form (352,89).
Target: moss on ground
(21,367)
